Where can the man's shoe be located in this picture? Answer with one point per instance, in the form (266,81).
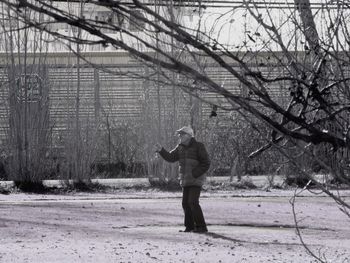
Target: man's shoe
(187,230)
(200,230)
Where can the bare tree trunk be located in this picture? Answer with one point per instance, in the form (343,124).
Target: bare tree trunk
(77,122)
(97,103)
(78,153)
(26,152)
(308,24)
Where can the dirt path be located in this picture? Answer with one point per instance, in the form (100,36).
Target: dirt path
(143,227)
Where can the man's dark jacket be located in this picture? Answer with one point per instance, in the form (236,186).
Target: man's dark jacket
(193,162)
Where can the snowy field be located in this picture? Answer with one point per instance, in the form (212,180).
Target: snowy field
(143,226)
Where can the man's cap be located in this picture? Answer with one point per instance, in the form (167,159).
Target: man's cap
(186,129)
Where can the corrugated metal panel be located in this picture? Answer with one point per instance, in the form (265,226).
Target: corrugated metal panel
(122,95)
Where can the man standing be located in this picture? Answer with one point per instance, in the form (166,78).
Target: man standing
(193,163)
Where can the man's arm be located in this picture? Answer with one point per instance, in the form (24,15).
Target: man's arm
(172,156)
(204,161)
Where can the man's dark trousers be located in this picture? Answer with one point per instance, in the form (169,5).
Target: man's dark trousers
(194,218)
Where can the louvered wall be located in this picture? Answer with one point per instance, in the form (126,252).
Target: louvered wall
(63,91)
(118,95)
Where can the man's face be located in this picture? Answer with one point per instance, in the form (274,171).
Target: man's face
(184,137)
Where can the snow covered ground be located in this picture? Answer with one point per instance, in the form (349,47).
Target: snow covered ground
(143,226)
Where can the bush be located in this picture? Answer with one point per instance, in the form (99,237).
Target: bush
(4,191)
(32,187)
(165,184)
(298,180)
(244,183)
(87,186)
(113,169)
(3,173)
(233,138)
(221,171)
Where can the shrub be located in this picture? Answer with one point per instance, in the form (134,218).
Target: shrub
(165,184)
(32,187)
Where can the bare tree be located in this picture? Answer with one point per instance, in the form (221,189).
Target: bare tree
(298,49)
(314,84)
(26,86)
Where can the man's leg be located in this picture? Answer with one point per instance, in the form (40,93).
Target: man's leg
(193,202)
(189,222)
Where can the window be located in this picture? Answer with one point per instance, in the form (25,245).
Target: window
(135,23)
(30,82)
(108,17)
(119,20)
(9,23)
